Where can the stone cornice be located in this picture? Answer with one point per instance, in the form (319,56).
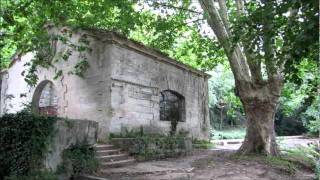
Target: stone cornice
(116,38)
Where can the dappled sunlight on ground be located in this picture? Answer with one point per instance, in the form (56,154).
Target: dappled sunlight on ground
(206,165)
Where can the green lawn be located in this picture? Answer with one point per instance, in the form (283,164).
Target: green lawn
(228,134)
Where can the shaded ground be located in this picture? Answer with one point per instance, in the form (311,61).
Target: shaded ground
(205,165)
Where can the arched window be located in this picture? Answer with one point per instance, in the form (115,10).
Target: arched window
(172,106)
(45,101)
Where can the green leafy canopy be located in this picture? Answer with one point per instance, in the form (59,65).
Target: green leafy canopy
(23,22)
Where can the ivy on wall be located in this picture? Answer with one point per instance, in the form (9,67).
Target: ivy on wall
(24,140)
(77,159)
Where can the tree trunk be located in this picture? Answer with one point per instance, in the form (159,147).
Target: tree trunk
(258,95)
(260,111)
(221,118)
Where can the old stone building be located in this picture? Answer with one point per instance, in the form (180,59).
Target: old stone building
(126,86)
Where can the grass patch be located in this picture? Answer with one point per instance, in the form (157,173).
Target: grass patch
(279,162)
(290,160)
(229,134)
(202,144)
(305,156)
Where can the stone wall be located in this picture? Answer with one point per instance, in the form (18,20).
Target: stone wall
(138,79)
(14,90)
(120,89)
(78,98)
(149,148)
(68,133)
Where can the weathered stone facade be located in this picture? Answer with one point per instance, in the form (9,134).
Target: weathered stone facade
(121,88)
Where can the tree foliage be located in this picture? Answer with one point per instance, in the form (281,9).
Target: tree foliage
(23,29)
(223,103)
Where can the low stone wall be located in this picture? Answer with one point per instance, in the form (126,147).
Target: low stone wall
(148,148)
(68,133)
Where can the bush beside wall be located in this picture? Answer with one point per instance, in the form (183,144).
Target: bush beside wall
(78,159)
(154,147)
(32,146)
(24,140)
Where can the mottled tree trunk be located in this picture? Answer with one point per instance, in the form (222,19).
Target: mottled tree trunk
(260,136)
(259,94)
(260,108)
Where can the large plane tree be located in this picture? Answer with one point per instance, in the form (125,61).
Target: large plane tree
(264,41)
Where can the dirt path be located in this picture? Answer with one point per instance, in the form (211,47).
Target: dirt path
(206,165)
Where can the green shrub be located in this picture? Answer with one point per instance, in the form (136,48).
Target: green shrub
(79,159)
(35,175)
(24,140)
(318,169)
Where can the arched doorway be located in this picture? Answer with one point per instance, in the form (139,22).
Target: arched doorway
(45,100)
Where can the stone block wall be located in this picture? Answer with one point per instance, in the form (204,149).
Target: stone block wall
(120,89)
(149,148)
(138,79)
(68,133)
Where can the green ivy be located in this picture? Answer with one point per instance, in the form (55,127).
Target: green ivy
(318,170)
(35,175)
(79,159)
(24,140)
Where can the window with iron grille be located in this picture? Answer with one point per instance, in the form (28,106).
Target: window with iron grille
(172,106)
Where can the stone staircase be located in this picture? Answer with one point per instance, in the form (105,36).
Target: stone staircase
(112,157)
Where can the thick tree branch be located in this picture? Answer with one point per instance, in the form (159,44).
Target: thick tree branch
(255,67)
(224,15)
(253,62)
(240,7)
(235,56)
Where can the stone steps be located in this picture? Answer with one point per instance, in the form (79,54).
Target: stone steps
(89,177)
(108,152)
(99,147)
(112,157)
(116,164)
